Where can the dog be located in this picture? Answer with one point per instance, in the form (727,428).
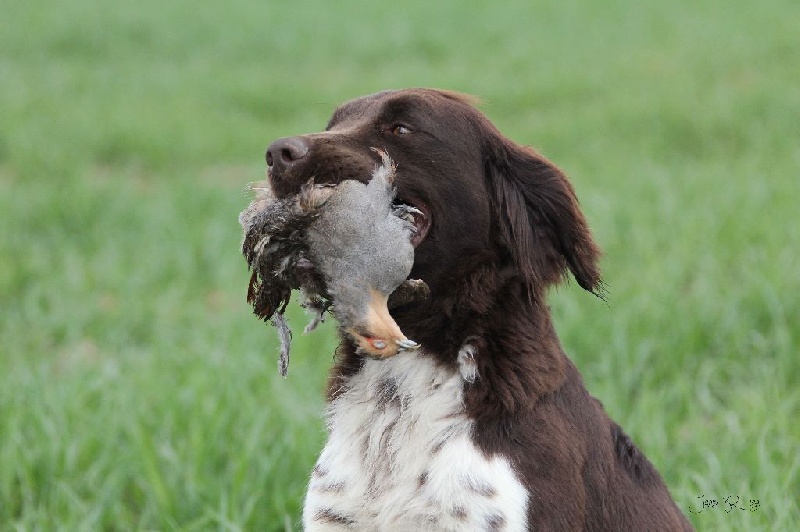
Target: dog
(488,426)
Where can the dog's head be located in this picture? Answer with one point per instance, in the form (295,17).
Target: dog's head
(486,203)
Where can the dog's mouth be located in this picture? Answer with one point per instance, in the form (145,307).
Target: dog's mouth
(420,217)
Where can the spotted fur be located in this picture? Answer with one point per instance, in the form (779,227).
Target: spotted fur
(400,456)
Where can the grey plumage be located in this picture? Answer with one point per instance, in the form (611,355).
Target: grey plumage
(347,246)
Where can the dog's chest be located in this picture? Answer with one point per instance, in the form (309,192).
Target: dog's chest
(400,457)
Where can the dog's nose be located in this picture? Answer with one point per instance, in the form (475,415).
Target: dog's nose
(286,153)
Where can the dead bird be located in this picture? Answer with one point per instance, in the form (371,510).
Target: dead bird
(346,247)
(362,245)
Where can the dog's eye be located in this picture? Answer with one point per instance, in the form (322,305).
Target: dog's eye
(399,129)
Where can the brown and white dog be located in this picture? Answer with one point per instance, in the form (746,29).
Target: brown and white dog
(487,426)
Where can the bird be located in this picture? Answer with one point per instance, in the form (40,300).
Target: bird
(346,248)
(361,243)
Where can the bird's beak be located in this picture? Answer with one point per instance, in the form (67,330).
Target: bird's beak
(378,335)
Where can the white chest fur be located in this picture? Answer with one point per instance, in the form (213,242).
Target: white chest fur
(400,456)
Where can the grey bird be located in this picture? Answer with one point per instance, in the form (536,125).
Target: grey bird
(346,247)
(361,243)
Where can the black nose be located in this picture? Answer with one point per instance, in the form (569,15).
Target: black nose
(285,153)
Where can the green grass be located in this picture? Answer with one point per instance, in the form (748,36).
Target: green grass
(137,392)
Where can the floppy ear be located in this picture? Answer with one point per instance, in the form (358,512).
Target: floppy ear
(540,220)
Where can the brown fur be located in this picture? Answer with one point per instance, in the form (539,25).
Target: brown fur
(505,225)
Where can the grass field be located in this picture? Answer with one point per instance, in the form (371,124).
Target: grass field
(137,391)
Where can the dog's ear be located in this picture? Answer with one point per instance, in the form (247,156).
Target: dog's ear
(541,223)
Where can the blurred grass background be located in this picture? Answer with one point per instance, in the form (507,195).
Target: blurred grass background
(137,392)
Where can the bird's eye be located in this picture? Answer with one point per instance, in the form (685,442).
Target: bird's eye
(399,129)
